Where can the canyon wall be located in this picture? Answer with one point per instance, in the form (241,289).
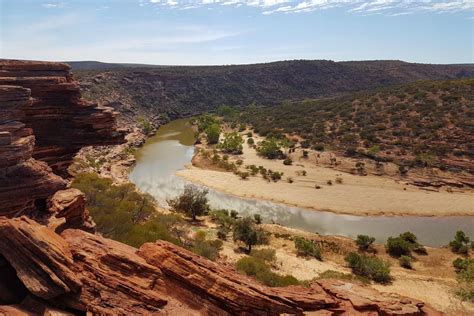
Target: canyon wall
(43,124)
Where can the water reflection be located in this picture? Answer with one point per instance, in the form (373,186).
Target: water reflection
(171,149)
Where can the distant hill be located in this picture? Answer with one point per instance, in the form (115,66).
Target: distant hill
(97,65)
(178,91)
(422,124)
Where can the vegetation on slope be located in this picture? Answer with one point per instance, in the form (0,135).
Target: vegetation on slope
(419,124)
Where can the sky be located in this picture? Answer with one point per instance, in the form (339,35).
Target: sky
(216,32)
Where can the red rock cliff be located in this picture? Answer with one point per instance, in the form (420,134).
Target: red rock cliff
(43,124)
(62,122)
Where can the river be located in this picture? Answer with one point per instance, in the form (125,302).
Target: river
(172,148)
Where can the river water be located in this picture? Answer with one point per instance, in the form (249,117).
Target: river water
(172,148)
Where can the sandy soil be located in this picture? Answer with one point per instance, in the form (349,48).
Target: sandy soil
(358,195)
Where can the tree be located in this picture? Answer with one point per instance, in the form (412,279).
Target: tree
(232,143)
(212,133)
(270,149)
(364,242)
(193,202)
(246,231)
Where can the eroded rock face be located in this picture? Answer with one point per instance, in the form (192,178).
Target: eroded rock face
(62,122)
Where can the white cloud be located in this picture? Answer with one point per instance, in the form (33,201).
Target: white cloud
(58,5)
(388,7)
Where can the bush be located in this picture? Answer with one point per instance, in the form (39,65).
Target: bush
(246,231)
(222,217)
(369,266)
(287,161)
(270,148)
(307,247)
(234,213)
(364,242)
(257,218)
(250,141)
(232,143)
(206,248)
(222,233)
(339,180)
(397,246)
(212,133)
(192,202)
(243,175)
(405,262)
(465,277)
(257,268)
(403,245)
(460,244)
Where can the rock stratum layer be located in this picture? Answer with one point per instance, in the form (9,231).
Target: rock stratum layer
(51,263)
(62,121)
(80,272)
(43,124)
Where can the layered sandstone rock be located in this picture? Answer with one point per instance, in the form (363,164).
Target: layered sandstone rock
(78,271)
(24,182)
(62,122)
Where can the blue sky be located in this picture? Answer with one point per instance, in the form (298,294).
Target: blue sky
(213,32)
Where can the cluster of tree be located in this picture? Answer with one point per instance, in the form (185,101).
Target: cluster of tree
(232,143)
(124,214)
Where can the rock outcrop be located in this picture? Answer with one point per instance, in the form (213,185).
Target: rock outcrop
(57,110)
(43,123)
(81,272)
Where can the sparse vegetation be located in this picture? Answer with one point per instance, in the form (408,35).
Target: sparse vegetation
(307,247)
(370,267)
(232,143)
(256,267)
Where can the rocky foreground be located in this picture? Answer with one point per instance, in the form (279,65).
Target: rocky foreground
(51,262)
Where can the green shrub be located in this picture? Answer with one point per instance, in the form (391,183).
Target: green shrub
(206,248)
(307,247)
(222,218)
(404,244)
(270,149)
(257,218)
(212,133)
(331,274)
(250,141)
(222,233)
(234,213)
(460,244)
(405,262)
(257,268)
(232,143)
(287,161)
(397,246)
(465,277)
(364,242)
(369,266)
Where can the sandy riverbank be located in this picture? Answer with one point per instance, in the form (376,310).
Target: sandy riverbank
(357,195)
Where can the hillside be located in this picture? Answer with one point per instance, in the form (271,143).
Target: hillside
(181,91)
(423,124)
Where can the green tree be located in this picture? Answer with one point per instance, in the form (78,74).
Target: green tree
(212,133)
(270,149)
(192,202)
(232,143)
(246,231)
